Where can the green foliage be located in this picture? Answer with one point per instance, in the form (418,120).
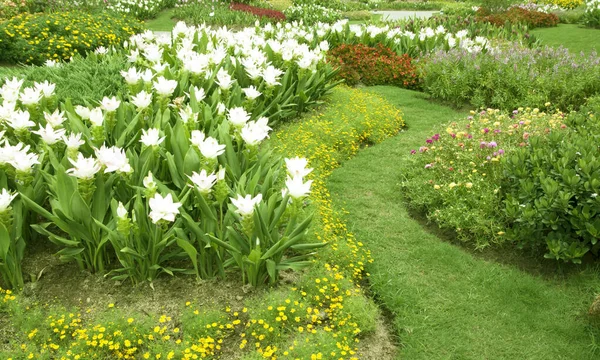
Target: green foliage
(214,13)
(61,35)
(551,188)
(511,77)
(591,17)
(83,80)
(312,13)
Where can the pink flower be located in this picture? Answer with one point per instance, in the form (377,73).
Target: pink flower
(412,152)
(427,166)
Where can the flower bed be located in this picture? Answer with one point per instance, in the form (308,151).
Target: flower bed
(532,18)
(324,312)
(35,38)
(373,66)
(260,12)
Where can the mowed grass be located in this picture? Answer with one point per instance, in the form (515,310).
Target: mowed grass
(162,22)
(574,37)
(448,302)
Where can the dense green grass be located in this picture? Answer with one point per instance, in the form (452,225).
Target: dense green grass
(574,37)
(162,22)
(450,303)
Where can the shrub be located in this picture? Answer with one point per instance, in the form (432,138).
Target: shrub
(511,77)
(141,9)
(457,177)
(35,38)
(376,65)
(258,11)
(551,189)
(217,12)
(312,13)
(565,4)
(591,17)
(517,14)
(82,80)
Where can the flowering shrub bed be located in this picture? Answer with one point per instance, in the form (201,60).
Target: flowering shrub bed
(312,14)
(214,12)
(35,38)
(373,65)
(511,77)
(140,9)
(566,4)
(258,11)
(591,17)
(532,18)
(325,313)
(529,177)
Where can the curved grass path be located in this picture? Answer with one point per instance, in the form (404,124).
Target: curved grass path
(447,302)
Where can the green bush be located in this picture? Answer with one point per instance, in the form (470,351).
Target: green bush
(591,17)
(35,38)
(312,13)
(552,188)
(83,80)
(511,77)
(215,13)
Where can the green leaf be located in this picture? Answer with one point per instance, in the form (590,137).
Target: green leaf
(191,251)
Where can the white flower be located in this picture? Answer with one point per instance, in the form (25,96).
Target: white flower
(19,120)
(101,50)
(147,76)
(151,137)
(197,138)
(96,117)
(297,167)
(199,93)
(110,104)
(188,114)
(55,119)
(23,161)
(245,205)
(163,208)
(253,133)
(121,211)
(251,92)
(30,96)
(5,199)
(83,112)
(52,63)
(297,188)
(221,174)
(238,117)
(221,108)
(203,181)
(210,148)
(149,181)
(271,75)
(84,168)
(113,159)
(131,76)
(46,88)
(49,135)
(73,141)
(164,87)
(224,80)
(142,100)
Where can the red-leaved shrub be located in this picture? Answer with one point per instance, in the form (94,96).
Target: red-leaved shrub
(260,12)
(514,15)
(377,65)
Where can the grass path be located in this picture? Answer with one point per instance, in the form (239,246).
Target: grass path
(448,303)
(574,37)
(162,22)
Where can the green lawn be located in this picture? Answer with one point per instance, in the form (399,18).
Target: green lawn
(447,302)
(162,22)
(574,37)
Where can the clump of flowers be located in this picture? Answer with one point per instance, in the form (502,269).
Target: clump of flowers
(373,65)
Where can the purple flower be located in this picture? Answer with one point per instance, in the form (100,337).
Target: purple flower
(429,141)
(482,145)
(497,131)
(436,137)
(521,122)
(486,130)
(469,118)
(469,136)
(492,144)
(515,112)
(489,158)
(501,152)
(412,152)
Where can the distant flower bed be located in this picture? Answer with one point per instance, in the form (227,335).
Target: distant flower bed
(533,18)
(258,11)
(35,38)
(376,65)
